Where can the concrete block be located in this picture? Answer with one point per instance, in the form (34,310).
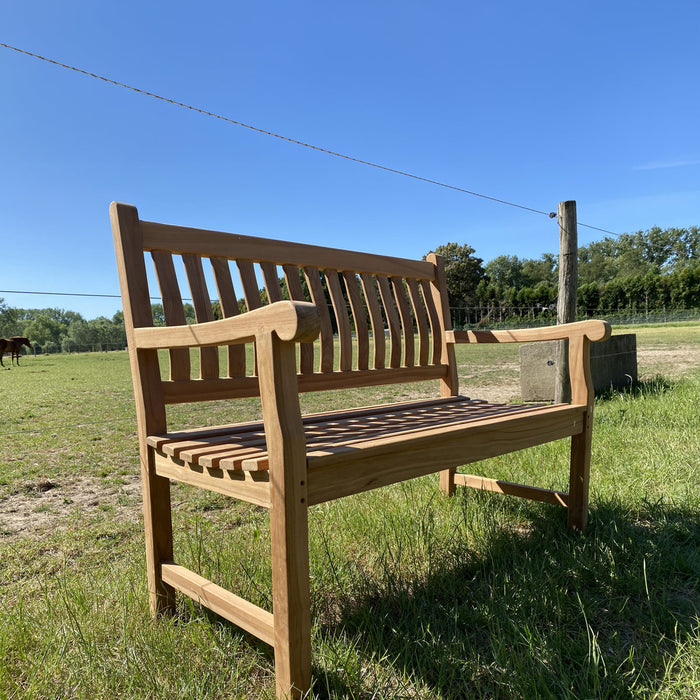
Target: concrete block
(613,365)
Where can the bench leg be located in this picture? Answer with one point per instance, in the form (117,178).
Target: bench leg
(579,478)
(289,516)
(447,481)
(159,538)
(291,600)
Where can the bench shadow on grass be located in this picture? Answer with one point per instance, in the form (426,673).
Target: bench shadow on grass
(653,386)
(535,613)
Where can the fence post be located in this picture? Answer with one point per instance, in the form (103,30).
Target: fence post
(566,299)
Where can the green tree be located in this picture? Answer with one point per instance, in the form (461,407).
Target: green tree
(8,320)
(463,272)
(80,335)
(505,270)
(43,329)
(543,270)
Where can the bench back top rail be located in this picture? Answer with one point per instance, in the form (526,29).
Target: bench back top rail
(383,319)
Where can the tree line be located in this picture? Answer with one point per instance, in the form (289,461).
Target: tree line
(56,330)
(639,273)
(646,271)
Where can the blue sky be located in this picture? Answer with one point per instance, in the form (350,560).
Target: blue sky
(530,102)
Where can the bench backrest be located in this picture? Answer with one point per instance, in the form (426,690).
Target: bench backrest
(383,319)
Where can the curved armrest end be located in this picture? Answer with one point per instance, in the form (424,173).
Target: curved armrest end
(298,321)
(598,330)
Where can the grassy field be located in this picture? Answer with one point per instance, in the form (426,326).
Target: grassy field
(414,595)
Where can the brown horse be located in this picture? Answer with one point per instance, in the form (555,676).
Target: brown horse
(3,349)
(14,345)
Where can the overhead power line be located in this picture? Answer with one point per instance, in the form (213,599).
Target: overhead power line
(61,294)
(295,141)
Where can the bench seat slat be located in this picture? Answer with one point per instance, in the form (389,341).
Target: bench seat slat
(350,470)
(331,437)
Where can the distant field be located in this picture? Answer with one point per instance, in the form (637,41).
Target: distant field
(415,595)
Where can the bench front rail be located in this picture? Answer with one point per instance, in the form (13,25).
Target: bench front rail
(327,319)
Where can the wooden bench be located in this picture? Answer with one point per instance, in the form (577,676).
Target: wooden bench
(322,326)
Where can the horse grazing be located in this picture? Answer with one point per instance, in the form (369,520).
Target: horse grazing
(3,349)
(14,345)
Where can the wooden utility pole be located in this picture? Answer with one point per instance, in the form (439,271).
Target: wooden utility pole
(568,285)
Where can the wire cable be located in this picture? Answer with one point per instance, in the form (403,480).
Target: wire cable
(386,168)
(279,136)
(62,294)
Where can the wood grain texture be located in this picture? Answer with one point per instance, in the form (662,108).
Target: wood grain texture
(340,311)
(296,292)
(422,322)
(313,280)
(376,322)
(208,356)
(407,331)
(289,534)
(352,469)
(236,362)
(533,493)
(173,310)
(291,320)
(249,617)
(179,239)
(392,321)
(148,395)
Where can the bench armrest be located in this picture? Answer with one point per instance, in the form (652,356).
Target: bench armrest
(592,329)
(297,321)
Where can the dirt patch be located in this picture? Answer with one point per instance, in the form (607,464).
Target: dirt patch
(670,362)
(500,387)
(47,504)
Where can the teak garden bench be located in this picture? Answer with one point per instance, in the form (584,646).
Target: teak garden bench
(329,333)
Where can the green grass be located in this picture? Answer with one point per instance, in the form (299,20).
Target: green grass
(414,595)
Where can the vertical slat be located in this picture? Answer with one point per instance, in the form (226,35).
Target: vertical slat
(449,385)
(375,319)
(272,284)
(421,321)
(343,320)
(409,341)
(229,307)
(208,357)
(434,318)
(313,279)
(296,292)
(392,319)
(251,291)
(358,314)
(172,310)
